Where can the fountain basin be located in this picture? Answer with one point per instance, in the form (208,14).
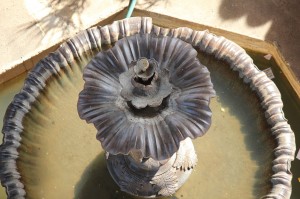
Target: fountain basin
(67,83)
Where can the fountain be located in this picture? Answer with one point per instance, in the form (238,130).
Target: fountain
(147,94)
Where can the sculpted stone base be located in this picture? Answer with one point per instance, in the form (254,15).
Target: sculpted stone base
(146,177)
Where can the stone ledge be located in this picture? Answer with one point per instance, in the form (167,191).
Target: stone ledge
(24,64)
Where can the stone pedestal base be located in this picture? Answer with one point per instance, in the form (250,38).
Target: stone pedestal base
(146,177)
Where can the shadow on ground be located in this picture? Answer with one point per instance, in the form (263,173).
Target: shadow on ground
(59,18)
(51,16)
(285,17)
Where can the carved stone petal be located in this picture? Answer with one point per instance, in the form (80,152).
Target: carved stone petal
(186,158)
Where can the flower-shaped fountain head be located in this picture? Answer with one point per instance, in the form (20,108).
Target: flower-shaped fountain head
(147,94)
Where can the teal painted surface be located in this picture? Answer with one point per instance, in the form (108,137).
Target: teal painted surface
(130,8)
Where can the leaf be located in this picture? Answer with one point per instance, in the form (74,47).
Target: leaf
(186,157)
(167,183)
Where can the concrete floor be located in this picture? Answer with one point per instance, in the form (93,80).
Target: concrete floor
(277,21)
(29,27)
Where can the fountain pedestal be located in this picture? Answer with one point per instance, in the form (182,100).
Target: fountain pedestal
(146,177)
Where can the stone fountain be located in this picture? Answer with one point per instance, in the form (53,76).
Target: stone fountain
(148,95)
